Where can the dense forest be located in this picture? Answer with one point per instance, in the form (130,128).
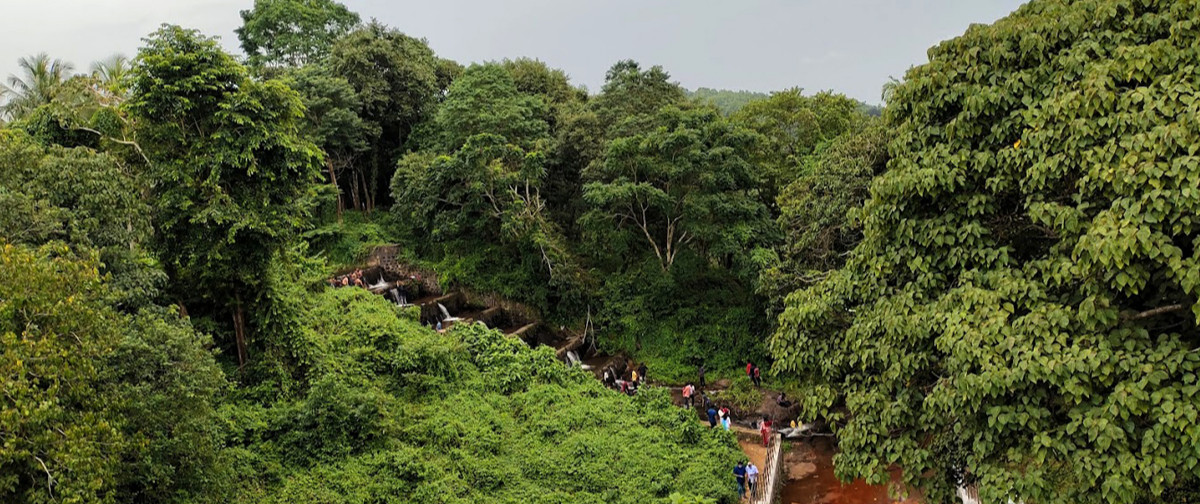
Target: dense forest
(993,281)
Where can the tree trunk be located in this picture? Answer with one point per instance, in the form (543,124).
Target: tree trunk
(354,189)
(239,329)
(337,190)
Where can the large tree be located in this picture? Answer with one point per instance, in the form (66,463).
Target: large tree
(235,180)
(331,113)
(683,184)
(793,126)
(815,210)
(99,406)
(1021,313)
(292,32)
(397,79)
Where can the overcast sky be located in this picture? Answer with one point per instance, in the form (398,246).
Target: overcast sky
(850,46)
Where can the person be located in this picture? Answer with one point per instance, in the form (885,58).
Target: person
(712,417)
(607,378)
(751,478)
(700,373)
(757,377)
(642,371)
(765,428)
(332,282)
(345,281)
(783,401)
(688,392)
(439,326)
(634,376)
(749,370)
(707,402)
(725,417)
(739,474)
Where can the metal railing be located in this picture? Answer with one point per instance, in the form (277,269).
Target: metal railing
(770,477)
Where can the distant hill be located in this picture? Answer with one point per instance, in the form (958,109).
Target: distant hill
(725,100)
(728,101)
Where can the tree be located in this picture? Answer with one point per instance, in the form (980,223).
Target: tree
(681,185)
(112,78)
(42,80)
(1021,313)
(235,181)
(484,99)
(793,126)
(86,199)
(98,406)
(292,32)
(397,79)
(814,210)
(331,110)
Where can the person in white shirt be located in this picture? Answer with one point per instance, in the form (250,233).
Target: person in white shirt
(751,477)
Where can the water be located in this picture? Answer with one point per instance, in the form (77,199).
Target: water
(445,313)
(810,479)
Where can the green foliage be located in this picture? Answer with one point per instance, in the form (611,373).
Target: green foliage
(728,102)
(685,184)
(98,406)
(235,181)
(793,126)
(393,410)
(485,99)
(814,210)
(292,32)
(397,79)
(87,200)
(1022,308)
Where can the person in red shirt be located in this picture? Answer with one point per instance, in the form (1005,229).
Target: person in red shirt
(765,428)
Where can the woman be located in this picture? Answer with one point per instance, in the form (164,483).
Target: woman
(724,417)
(765,429)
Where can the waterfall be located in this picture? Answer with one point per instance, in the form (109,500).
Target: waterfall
(572,358)
(445,312)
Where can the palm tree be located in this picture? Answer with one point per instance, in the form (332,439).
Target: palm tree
(112,76)
(42,80)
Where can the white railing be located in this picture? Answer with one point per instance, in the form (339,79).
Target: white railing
(770,478)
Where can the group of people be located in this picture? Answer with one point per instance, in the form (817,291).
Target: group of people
(614,378)
(754,373)
(746,474)
(354,278)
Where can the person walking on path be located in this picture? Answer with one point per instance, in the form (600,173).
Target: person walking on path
(712,417)
(724,413)
(739,474)
(700,373)
(751,478)
(757,377)
(688,393)
(765,428)
(750,370)
(642,372)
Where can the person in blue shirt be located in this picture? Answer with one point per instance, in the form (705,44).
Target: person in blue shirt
(739,474)
(712,417)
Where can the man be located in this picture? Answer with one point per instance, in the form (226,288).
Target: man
(688,392)
(739,474)
(712,417)
(757,377)
(749,370)
(700,372)
(642,372)
(751,478)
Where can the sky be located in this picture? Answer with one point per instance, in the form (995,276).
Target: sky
(848,46)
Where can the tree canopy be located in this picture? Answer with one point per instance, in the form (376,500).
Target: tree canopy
(1021,311)
(292,32)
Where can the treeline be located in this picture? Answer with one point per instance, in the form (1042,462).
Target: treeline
(164,332)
